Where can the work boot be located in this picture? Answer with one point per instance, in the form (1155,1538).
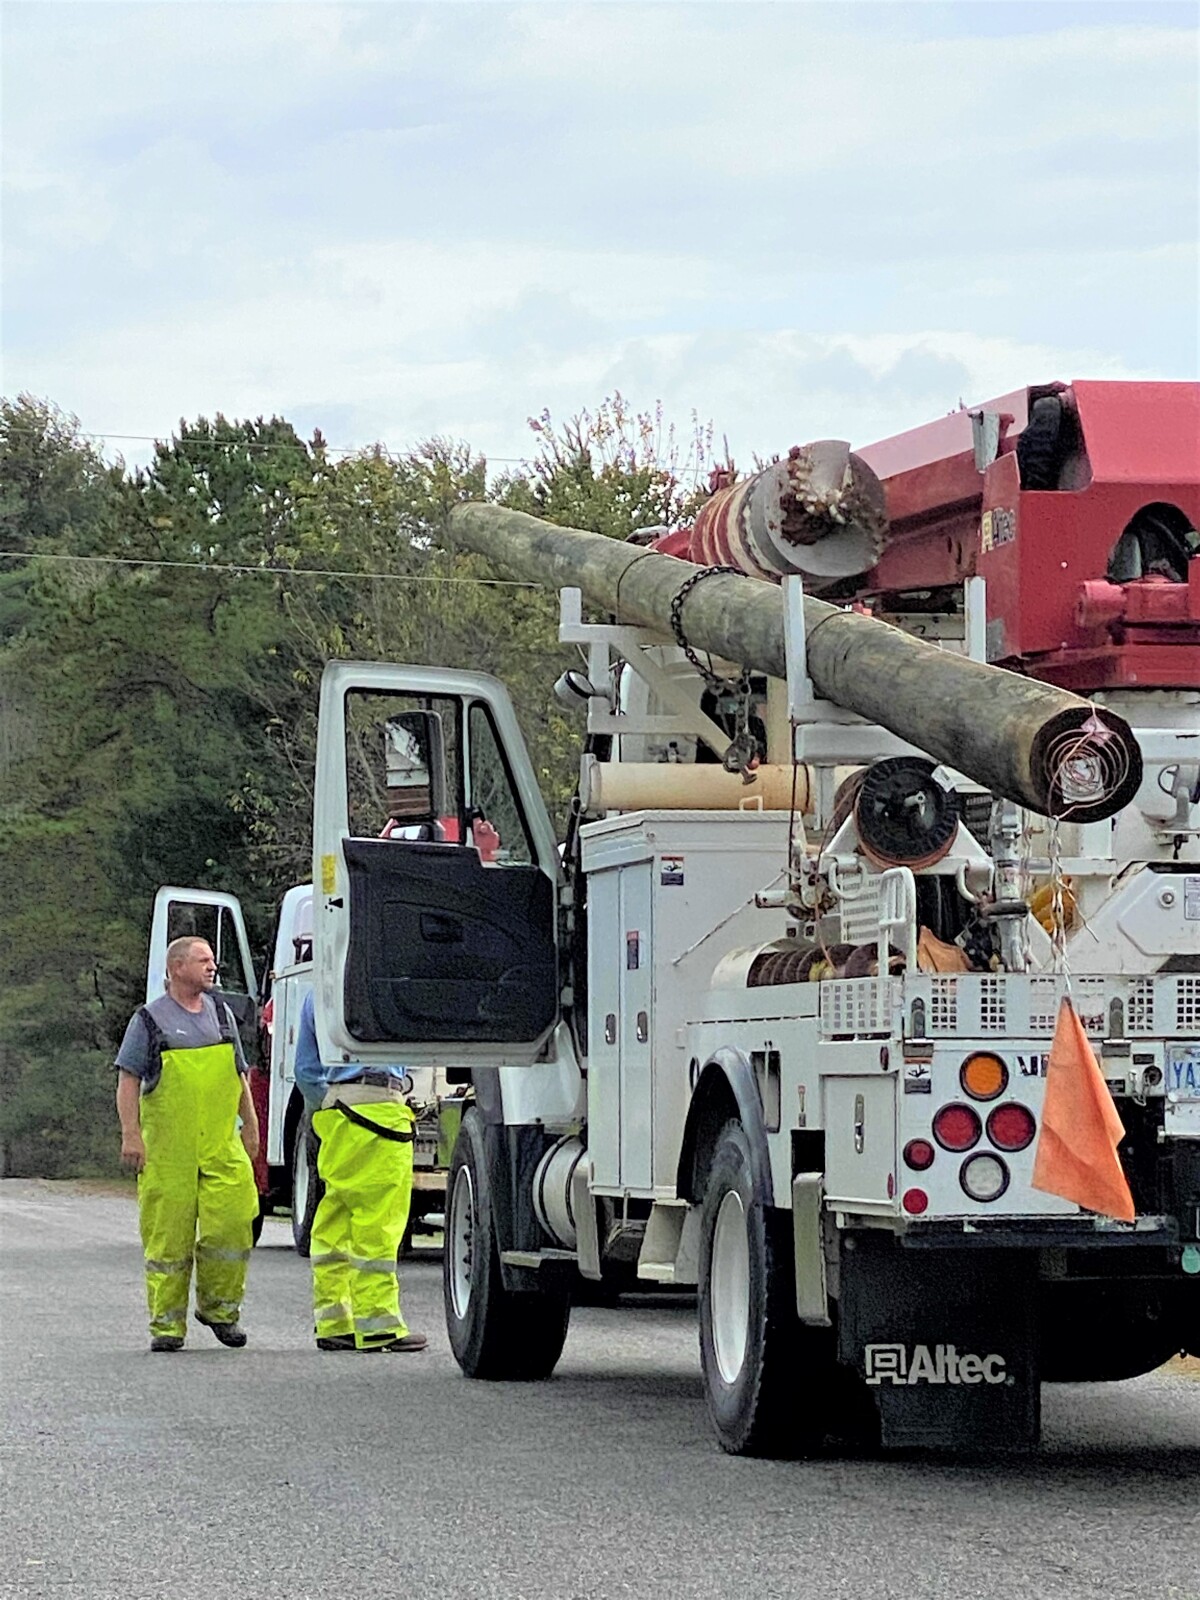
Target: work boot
(410,1341)
(337,1341)
(230,1334)
(165,1341)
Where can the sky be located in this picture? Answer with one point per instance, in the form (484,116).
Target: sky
(393,221)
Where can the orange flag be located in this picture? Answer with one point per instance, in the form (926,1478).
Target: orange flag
(1076,1155)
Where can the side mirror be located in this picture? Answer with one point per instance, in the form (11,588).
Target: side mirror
(415,767)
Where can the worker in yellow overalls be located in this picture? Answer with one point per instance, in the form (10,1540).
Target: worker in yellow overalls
(365,1164)
(181,1089)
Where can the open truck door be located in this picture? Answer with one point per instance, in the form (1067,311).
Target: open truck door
(435,872)
(208,914)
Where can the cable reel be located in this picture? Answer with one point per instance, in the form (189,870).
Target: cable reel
(904,816)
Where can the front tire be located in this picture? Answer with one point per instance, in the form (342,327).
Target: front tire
(494,1332)
(767,1377)
(306,1184)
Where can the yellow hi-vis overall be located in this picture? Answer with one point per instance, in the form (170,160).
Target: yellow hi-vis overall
(196,1194)
(365,1162)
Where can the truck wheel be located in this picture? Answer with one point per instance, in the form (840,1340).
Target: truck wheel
(494,1332)
(306,1185)
(766,1376)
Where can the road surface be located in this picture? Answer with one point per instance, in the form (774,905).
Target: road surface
(278,1473)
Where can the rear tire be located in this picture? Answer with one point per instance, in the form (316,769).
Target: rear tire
(767,1377)
(494,1332)
(306,1184)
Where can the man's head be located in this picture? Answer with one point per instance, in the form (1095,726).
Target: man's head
(191,966)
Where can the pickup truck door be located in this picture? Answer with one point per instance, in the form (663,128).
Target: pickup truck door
(435,931)
(208,914)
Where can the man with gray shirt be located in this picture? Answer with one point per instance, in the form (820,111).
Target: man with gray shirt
(181,1087)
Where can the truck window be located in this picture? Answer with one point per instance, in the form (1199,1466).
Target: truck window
(493,793)
(371,755)
(216,925)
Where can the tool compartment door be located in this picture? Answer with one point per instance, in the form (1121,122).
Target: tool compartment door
(435,873)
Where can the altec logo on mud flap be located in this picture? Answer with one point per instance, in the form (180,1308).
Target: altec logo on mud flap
(936,1363)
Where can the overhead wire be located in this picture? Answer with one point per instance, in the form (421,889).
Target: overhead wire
(261,445)
(287,572)
(265,446)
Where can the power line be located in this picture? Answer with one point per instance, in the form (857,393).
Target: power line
(251,444)
(287,572)
(264,446)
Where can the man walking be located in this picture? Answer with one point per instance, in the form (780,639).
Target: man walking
(181,1086)
(365,1161)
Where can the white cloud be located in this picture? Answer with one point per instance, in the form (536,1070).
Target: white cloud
(427,219)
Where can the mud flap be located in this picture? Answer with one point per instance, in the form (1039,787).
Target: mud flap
(945,1340)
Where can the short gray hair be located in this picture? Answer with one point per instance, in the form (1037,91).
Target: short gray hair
(179,950)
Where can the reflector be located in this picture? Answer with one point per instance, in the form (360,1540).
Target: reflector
(914,1201)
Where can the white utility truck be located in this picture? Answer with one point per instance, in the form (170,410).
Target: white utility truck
(775,1020)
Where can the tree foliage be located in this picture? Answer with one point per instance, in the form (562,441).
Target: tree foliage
(162,635)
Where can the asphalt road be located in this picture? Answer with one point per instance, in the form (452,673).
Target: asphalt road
(278,1473)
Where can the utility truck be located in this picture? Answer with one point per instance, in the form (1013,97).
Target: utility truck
(776,1021)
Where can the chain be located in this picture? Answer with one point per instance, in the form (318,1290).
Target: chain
(742,751)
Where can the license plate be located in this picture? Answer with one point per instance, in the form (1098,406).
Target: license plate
(1183,1071)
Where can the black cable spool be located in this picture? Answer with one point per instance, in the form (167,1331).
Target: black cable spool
(905,817)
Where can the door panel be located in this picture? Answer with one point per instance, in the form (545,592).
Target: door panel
(636,970)
(436,941)
(444,947)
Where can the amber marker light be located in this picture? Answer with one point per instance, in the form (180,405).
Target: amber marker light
(983,1076)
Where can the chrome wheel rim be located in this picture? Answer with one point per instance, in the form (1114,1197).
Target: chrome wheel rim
(729,1288)
(459,1241)
(300,1180)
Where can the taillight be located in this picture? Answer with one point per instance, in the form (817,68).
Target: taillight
(957,1128)
(984,1177)
(983,1076)
(914,1201)
(1011,1127)
(918,1154)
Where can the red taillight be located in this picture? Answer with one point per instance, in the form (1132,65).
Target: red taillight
(956,1128)
(918,1154)
(914,1201)
(1011,1127)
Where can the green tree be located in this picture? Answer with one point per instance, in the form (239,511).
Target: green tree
(613,471)
(162,635)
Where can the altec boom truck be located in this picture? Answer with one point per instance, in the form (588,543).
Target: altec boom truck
(775,1021)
